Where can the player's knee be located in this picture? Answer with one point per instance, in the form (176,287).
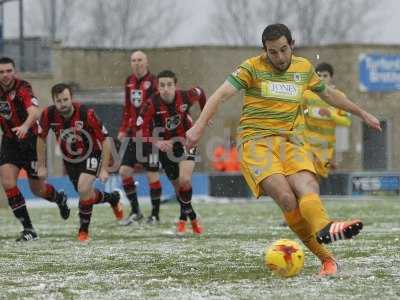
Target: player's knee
(287,201)
(309,184)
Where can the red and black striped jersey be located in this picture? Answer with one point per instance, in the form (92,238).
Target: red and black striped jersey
(170,120)
(137,91)
(14,105)
(77,136)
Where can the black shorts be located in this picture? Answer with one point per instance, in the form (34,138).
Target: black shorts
(147,156)
(91,165)
(170,161)
(20,153)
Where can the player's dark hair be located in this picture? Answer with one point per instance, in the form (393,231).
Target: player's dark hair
(325,67)
(167,74)
(6,60)
(59,88)
(275,31)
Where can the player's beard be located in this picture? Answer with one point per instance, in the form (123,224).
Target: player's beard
(7,85)
(67,113)
(279,68)
(167,99)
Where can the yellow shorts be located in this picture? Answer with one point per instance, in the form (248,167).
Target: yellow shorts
(262,158)
(322,158)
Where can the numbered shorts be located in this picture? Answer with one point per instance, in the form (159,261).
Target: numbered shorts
(170,160)
(141,153)
(91,165)
(322,158)
(264,157)
(21,153)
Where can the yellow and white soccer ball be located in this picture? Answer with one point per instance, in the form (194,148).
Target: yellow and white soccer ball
(284,258)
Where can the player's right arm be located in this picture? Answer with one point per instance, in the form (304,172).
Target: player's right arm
(240,79)
(41,144)
(31,104)
(223,93)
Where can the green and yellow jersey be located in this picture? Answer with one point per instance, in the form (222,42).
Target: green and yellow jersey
(272,101)
(319,133)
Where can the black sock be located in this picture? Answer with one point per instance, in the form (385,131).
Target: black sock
(185,199)
(182,216)
(17,203)
(130,191)
(155,195)
(102,197)
(85,214)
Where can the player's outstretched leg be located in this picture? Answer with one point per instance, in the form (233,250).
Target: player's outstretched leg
(303,230)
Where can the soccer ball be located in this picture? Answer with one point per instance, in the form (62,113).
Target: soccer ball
(284,258)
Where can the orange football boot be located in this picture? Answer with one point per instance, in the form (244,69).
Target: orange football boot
(181,227)
(196,227)
(83,236)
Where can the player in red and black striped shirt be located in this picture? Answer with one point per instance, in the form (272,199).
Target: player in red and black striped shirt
(19,113)
(164,121)
(139,86)
(86,154)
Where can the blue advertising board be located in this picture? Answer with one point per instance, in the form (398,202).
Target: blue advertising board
(375,183)
(379,72)
(199,182)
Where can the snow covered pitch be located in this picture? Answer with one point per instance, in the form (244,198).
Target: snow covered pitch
(149,262)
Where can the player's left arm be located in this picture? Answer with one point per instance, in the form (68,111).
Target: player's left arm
(340,100)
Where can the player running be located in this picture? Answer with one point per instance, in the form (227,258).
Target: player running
(19,112)
(164,121)
(86,152)
(321,121)
(273,159)
(139,86)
